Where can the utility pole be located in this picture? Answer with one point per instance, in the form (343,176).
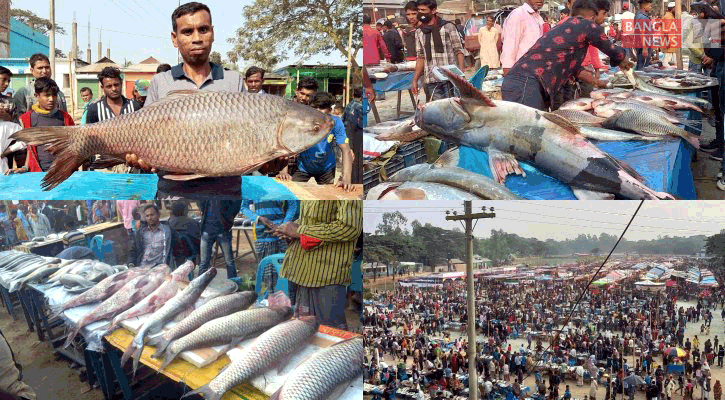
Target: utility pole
(468,216)
(51,50)
(72,71)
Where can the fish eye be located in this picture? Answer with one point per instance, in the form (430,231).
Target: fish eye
(316,128)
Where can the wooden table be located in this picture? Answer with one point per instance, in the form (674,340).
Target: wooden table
(313,191)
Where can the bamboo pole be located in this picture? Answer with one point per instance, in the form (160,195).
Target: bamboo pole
(678,15)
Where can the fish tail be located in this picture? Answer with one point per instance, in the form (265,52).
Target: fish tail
(127,353)
(161,344)
(136,357)
(694,140)
(277,395)
(169,356)
(207,393)
(74,332)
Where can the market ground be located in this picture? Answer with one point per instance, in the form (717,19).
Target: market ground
(717,328)
(59,379)
(704,169)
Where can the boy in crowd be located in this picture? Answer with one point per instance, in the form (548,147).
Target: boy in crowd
(43,113)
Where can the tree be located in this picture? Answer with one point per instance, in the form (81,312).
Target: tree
(393,224)
(271,29)
(595,251)
(215,57)
(35,22)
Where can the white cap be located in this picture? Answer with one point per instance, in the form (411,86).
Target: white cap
(671,4)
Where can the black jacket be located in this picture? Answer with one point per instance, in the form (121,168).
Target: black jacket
(395,46)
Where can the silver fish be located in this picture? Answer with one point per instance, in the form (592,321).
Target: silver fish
(267,349)
(460,178)
(182,301)
(417,191)
(649,125)
(233,328)
(610,135)
(319,376)
(215,308)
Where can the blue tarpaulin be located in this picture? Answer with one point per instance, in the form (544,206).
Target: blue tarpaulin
(665,167)
(91,185)
(395,81)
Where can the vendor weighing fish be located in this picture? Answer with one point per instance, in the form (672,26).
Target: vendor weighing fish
(225,134)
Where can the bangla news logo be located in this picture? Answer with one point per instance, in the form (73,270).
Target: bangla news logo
(668,33)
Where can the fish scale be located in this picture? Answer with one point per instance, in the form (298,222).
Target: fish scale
(224,134)
(224,330)
(318,376)
(267,349)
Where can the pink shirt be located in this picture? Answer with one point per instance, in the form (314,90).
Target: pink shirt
(522,29)
(125,210)
(592,58)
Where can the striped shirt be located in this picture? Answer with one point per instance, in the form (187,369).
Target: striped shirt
(101,111)
(337,223)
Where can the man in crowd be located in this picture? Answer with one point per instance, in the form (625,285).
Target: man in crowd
(140,91)
(44,112)
(411,14)
(193,34)
(112,103)
(437,44)
(217,220)
(267,216)
(8,126)
(11,379)
(374,48)
(152,244)
(669,51)
(353,118)
(394,43)
(644,53)
(186,232)
(125,210)
(318,262)
(5,77)
(163,68)
(87,97)
(305,89)
(533,83)
(523,27)
(39,68)
(254,79)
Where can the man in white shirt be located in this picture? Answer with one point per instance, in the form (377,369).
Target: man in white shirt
(7,128)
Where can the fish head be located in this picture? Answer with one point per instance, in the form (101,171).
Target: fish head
(183,271)
(304,127)
(205,278)
(449,118)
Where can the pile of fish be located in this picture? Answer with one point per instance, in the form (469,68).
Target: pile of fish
(382,71)
(668,79)
(18,269)
(225,134)
(511,132)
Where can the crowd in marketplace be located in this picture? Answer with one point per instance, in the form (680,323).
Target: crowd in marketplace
(533,342)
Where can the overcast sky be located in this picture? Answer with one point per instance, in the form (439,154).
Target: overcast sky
(143,28)
(566,219)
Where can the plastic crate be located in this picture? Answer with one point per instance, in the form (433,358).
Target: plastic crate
(408,154)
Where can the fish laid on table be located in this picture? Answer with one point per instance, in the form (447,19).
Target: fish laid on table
(231,329)
(603,93)
(104,289)
(182,301)
(649,124)
(131,293)
(610,135)
(417,191)
(547,141)
(225,134)
(456,177)
(266,350)
(612,108)
(582,104)
(325,374)
(154,301)
(578,117)
(37,276)
(214,308)
(683,82)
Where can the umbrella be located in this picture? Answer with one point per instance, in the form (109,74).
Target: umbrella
(633,380)
(671,283)
(675,352)
(705,293)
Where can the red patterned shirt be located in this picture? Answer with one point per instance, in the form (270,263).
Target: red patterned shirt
(558,55)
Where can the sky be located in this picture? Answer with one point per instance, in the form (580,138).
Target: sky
(137,29)
(560,220)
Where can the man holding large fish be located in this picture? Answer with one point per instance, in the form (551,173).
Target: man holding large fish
(558,56)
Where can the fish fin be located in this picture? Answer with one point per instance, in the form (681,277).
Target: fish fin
(392,186)
(105,161)
(171,96)
(561,121)
(207,393)
(186,177)
(74,332)
(136,357)
(159,343)
(169,356)
(503,164)
(626,167)
(583,194)
(664,196)
(184,313)
(693,139)
(449,158)
(278,300)
(403,137)
(58,143)
(467,89)
(127,353)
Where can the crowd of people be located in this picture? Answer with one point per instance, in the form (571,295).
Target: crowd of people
(525,332)
(42,103)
